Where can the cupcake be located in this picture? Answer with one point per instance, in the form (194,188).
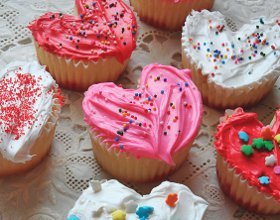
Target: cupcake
(30,102)
(231,69)
(113,200)
(248,161)
(90,48)
(144,134)
(168,14)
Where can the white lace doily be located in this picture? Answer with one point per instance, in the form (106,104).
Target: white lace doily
(50,190)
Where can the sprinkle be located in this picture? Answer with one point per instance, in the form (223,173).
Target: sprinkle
(144,212)
(277,138)
(247,150)
(120,132)
(130,206)
(264,180)
(268,145)
(95,185)
(73,217)
(119,215)
(117,139)
(171,200)
(162,91)
(186,84)
(258,143)
(121,147)
(243,136)
(276,170)
(270,160)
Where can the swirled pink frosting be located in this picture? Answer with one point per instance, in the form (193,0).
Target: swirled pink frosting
(156,120)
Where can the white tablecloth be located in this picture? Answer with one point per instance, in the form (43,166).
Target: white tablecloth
(50,190)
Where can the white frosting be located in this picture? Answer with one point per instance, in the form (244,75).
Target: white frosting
(115,196)
(18,150)
(201,28)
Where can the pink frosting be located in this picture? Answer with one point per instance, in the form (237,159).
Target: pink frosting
(155,121)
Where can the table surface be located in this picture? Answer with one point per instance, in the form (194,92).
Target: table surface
(50,190)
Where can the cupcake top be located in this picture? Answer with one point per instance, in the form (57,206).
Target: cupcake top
(113,200)
(26,101)
(228,58)
(252,149)
(103,28)
(154,121)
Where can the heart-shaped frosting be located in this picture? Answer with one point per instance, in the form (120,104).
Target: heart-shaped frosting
(232,59)
(104,28)
(252,149)
(154,121)
(113,200)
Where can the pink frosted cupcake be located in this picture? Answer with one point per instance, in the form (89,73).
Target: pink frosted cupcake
(144,134)
(248,162)
(168,14)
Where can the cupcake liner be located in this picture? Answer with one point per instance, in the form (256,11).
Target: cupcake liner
(40,147)
(228,97)
(79,75)
(126,167)
(168,15)
(238,189)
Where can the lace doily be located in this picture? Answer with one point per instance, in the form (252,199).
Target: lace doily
(50,190)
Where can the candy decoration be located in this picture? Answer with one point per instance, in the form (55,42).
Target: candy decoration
(276,170)
(73,217)
(258,143)
(270,160)
(264,180)
(131,206)
(247,150)
(277,138)
(267,133)
(171,200)
(144,212)
(118,215)
(243,136)
(268,145)
(95,185)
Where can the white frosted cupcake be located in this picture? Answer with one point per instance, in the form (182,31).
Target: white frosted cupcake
(231,69)
(113,200)
(30,102)
(94,46)
(168,14)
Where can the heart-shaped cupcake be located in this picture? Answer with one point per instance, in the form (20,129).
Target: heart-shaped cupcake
(231,68)
(252,152)
(113,200)
(103,31)
(156,121)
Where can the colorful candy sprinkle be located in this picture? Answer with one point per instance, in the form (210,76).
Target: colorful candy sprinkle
(264,180)
(247,150)
(277,138)
(73,217)
(267,133)
(258,143)
(119,215)
(270,160)
(144,212)
(171,200)
(243,136)
(276,170)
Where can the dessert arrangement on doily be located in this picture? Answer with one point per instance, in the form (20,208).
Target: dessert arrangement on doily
(140,109)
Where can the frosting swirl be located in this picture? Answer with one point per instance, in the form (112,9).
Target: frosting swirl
(156,120)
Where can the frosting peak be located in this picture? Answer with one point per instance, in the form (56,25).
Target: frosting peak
(156,120)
